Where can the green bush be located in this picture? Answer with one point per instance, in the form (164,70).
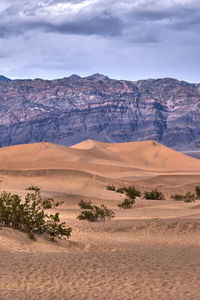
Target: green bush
(131,192)
(189,197)
(121,190)
(85,205)
(29,215)
(33,188)
(110,187)
(94,213)
(154,195)
(127,203)
(178,197)
(197,190)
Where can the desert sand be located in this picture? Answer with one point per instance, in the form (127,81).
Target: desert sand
(151,251)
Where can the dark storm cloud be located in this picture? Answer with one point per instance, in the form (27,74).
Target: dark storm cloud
(99,26)
(123,38)
(100,17)
(65,17)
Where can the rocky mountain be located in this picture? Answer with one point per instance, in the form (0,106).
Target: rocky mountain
(3,78)
(69,110)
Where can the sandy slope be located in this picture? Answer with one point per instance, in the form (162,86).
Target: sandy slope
(149,252)
(147,155)
(123,259)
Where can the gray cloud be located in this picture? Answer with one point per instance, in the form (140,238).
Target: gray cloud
(97,17)
(94,26)
(123,38)
(65,17)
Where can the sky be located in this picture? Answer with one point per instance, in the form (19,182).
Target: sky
(123,39)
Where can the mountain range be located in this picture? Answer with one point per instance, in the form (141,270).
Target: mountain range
(72,109)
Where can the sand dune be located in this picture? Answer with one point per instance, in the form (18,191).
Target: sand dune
(148,252)
(143,155)
(140,155)
(125,260)
(109,160)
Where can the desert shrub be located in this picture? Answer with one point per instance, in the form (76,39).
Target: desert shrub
(85,205)
(110,187)
(127,203)
(33,188)
(131,192)
(29,215)
(197,190)
(95,213)
(178,197)
(120,190)
(154,195)
(189,197)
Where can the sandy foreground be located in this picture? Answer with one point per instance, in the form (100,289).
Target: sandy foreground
(149,252)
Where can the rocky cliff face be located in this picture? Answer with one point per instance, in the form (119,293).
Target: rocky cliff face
(69,110)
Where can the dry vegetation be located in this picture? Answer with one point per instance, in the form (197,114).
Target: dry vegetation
(30,215)
(148,252)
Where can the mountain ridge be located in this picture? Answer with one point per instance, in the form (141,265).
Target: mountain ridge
(3,78)
(69,110)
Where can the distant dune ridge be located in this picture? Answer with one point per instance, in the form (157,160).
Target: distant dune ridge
(148,252)
(85,168)
(148,155)
(72,109)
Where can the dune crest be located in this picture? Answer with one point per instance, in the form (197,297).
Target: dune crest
(98,158)
(87,144)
